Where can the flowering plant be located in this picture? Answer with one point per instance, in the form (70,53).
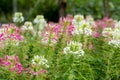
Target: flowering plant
(10,35)
(74,48)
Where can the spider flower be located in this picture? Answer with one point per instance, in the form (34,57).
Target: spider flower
(18,17)
(74,47)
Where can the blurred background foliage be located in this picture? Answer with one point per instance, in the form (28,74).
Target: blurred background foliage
(94,8)
(50,8)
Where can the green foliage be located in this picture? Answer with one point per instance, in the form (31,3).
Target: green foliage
(50,8)
(93,7)
(86,7)
(31,8)
(102,62)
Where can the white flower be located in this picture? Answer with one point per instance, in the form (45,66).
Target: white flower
(117,25)
(116,34)
(115,43)
(78,17)
(78,31)
(78,21)
(107,32)
(89,18)
(88,31)
(27,26)
(18,17)
(40,21)
(77,44)
(40,60)
(74,48)
(38,18)
(66,50)
(82,26)
(79,53)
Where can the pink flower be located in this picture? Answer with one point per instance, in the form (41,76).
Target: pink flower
(43,71)
(27,70)
(5,63)
(12,69)
(16,37)
(10,33)
(90,46)
(70,29)
(105,22)
(96,34)
(35,73)
(19,68)
(11,63)
(54,30)
(38,72)
(57,28)
(2,36)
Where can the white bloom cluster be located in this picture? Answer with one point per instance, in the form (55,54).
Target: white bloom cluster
(18,17)
(40,22)
(40,60)
(82,26)
(74,48)
(90,19)
(107,32)
(117,24)
(116,31)
(88,31)
(115,43)
(114,34)
(27,26)
(78,18)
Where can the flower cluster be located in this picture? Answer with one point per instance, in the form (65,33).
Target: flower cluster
(115,43)
(105,22)
(10,34)
(40,60)
(40,22)
(54,31)
(49,36)
(107,32)
(28,27)
(18,17)
(104,25)
(83,26)
(115,40)
(74,47)
(11,63)
(116,31)
(112,34)
(37,66)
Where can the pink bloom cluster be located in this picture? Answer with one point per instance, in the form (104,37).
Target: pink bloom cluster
(9,32)
(33,72)
(101,24)
(54,30)
(11,63)
(105,22)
